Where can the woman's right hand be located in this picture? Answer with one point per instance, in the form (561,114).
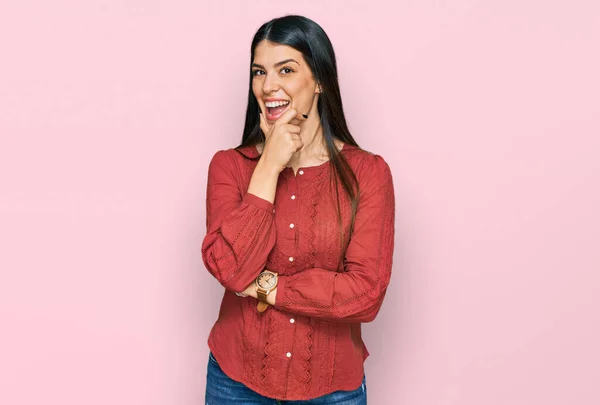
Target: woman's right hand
(282,140)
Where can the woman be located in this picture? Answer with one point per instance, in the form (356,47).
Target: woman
(300,232)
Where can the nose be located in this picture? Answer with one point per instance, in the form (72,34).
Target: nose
(271,83)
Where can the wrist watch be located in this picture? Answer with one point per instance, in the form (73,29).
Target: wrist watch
(265,283)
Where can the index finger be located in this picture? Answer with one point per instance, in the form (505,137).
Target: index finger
(286,117)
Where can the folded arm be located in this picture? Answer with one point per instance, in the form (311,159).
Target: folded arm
(355,294)
(240,228)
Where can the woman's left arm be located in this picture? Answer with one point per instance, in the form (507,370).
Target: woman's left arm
(356,294)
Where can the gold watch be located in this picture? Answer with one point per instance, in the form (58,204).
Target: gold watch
(265,283)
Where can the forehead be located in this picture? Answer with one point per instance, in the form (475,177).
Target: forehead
(268,53)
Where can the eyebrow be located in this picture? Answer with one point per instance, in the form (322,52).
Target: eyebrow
(283,62)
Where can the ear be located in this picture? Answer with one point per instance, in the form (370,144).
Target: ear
(318,88)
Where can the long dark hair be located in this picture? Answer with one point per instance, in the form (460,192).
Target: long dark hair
(307,37)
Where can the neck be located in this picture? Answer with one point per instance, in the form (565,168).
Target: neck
(311,133)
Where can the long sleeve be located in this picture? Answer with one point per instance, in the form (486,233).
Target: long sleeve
(240,227)
(355,294)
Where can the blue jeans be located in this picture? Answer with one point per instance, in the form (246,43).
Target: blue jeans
(222,390)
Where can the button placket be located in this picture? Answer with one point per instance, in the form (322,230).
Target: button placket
(293,214)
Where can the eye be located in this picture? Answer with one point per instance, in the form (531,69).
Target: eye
(260,72)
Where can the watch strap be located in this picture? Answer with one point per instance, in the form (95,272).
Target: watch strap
(262,306)
(261,294)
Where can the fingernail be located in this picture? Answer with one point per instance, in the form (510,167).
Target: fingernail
(305,116)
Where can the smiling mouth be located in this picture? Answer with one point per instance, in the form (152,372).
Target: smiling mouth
(276,108)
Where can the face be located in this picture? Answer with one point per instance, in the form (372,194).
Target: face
(281,79)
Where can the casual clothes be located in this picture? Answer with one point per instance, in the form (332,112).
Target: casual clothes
(222,390)
(309,343)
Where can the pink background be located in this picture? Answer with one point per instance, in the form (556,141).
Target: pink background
(487,112)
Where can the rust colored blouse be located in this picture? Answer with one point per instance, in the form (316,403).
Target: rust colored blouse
(309,343)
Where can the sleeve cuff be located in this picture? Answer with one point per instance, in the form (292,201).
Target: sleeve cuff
(259,202)
(279,299)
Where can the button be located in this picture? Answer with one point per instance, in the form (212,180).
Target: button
(291,225)
(288,354)
(292,320)
(301,172)
(293,197)
(273,211)
(291,259)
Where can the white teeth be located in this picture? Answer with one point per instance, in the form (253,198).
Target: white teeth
(272,104)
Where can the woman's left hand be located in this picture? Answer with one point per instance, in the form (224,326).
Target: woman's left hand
(250,291)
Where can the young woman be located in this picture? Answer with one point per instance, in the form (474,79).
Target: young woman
(300,232)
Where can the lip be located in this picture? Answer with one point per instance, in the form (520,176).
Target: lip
(274,117)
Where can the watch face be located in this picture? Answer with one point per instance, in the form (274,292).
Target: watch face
(266,280)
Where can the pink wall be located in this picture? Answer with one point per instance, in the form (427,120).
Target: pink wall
(487,111)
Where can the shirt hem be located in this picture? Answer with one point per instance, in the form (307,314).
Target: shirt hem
(260,391)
